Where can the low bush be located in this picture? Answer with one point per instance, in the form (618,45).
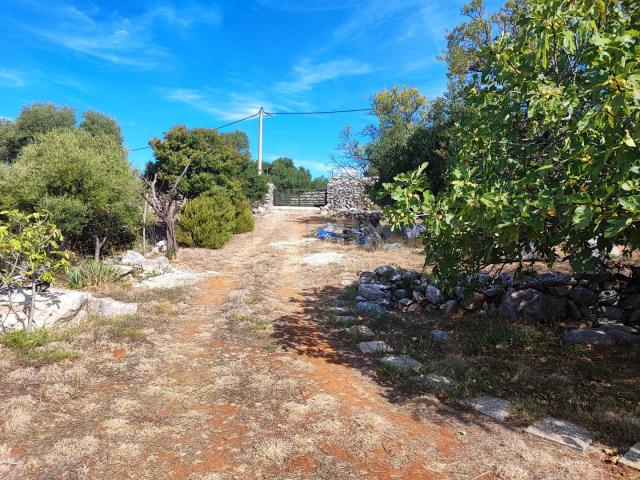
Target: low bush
(244,221)
(207,221)
(92,274)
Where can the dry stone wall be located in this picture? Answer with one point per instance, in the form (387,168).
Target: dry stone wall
(346,196)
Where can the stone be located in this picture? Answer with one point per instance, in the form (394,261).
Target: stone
(451,307)
(632,457)
(440,336)
(124,270)
(588,335)
(369,308)
(532,305)
(108,307)
(403,362)
(560,290)
(612,313)
(473,301)
(583,296)
(361,331)
(400,294)
(374,291)
(419,296)
(396,277)
(554,279)
(385,271)
(131,257)
(573,311)
(405,302)
(608,297)
(494,407)
(433,380)
(53,306)
(345,320)
(622,334)
(322,258)
(562,432)
(340,311)
(634,317)
(414,308)
(434,295)
(493,291)
(631,302)
(374,346)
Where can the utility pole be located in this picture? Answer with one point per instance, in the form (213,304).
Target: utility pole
(260,143)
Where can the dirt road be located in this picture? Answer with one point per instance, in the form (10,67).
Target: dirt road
(236,378)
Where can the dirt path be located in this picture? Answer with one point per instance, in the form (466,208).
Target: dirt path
(239,380)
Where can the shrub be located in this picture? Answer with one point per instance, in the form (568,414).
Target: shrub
(207,220)
(244,221)
(92,274)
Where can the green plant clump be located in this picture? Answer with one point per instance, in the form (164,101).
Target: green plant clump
(92,274)
(207,221)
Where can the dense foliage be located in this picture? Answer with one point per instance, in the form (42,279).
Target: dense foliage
(548,159)
(83,180)
(283,173)
(214,159)
(207,221)
(408,132)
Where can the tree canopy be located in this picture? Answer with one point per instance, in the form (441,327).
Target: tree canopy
(214,159)
(548,159)
(83,180)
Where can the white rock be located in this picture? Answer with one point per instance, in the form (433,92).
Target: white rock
(403,362)
(131,257)
(632,457)
(322,258)
(108,307)
(374,346)
(54,305)
(492,406)
(560,431)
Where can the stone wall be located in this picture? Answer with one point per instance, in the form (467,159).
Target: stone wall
(267,202)
(346,195)
(594,311)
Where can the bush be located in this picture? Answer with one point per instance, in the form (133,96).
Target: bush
(207,221)
(244,221)
(92,274)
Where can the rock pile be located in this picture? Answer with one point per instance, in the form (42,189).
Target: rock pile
(346,196)
(608,312)
(263,206)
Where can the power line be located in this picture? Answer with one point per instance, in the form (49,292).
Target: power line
(275,113)
(321,113)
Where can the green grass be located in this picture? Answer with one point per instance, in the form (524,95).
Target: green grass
(33,348)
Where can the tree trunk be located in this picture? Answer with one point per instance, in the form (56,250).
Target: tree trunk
(32,309)
(98,245)
(172,243)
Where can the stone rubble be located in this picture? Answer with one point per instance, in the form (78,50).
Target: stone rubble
(561,431)
(606,312)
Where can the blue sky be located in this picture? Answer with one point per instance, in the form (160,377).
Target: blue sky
(152,65)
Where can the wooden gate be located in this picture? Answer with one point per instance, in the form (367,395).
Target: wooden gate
(300,198)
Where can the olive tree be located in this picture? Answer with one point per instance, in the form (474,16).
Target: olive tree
(85,181)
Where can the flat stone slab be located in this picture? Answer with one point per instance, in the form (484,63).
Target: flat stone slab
(632,457)
(374,346)
(361,330)
(494,407)
(404,362)
(560,431)
(433,380)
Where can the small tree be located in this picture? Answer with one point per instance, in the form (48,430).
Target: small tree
(166,206)
(208,220)
(29,252)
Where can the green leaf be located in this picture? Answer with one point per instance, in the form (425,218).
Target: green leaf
(582,216)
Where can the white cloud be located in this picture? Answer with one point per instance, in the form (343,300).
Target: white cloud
(11,78)
(118,39)
(225,105)
(308,74)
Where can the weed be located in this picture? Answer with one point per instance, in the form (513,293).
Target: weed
(92,274)
(35,349)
